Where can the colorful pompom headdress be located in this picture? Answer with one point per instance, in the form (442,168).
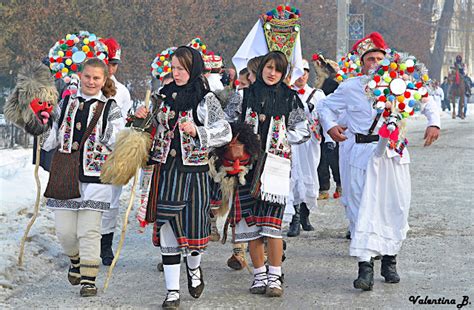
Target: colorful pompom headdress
(161,65)
(68,55)
(212,62)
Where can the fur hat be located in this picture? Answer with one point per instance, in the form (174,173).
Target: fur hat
(371,43)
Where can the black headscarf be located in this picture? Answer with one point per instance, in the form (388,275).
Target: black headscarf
(271,100)
(187,96)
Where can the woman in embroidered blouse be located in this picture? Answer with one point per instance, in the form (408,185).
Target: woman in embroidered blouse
(78,221)
(189,122)
(277,116)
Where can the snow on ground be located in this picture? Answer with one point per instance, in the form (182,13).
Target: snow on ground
(17,200)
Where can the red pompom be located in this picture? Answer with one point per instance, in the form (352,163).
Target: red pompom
(277,118)
(315,57)
(377,78)
(58,75)
(411,69)
(382,98)
(412,112)
(393,74)
(301,91)
(386,113)
(385,68)
(236,83)
(288,8)
(401,72)
(70,42)
(279,8)
(74,67)
(59,60)
(407,94)
(90,54)
(419,85)
(69,53)
(401,106)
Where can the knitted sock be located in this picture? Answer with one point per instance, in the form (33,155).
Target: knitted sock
(274,273)
(260,276)
(193,261)
(74,269)
(89,271)
(172,277)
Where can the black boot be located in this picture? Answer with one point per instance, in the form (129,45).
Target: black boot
(295,223)
(195,274)
(106,249)
(389,269)
(365,281)
(304,217)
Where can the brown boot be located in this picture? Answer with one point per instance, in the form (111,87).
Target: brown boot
(237,261)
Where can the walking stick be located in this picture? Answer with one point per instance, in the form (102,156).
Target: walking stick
(127,213)
(36,210)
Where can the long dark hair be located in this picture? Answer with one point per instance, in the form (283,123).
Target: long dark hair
(281,64)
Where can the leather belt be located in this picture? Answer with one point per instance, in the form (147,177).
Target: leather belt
(360,138)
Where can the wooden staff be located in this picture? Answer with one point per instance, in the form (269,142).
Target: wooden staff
(127,213)
(36,210)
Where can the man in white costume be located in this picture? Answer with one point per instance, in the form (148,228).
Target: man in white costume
(378,218)
(305,160)
(122,97)
(212,69)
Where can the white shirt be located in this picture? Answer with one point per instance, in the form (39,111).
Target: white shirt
(122,97)
(215,83)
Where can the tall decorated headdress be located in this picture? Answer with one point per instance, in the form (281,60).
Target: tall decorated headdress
(68,55)
(276,30)
(281,27)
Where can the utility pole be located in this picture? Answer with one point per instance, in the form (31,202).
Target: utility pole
(342,28)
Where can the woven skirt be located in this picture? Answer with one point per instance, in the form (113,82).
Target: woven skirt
(184,203)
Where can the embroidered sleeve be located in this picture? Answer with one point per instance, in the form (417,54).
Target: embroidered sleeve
(115,123)
(50,139)
(233,109)
(298,131)
(216,130)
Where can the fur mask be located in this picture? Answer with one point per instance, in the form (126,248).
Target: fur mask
(31,105)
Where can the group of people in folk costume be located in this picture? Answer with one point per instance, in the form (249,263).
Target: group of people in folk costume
(252,156)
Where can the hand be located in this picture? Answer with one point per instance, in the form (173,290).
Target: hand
(189,128)
(431,135)
(336,133)
(141,112)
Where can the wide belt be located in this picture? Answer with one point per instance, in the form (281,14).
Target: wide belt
(360,138)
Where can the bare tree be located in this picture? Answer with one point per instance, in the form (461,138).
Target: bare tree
(441,38)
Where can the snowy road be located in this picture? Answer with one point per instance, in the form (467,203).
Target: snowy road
(436,261)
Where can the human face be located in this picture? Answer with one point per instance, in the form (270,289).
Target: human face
(302,80)
(180,75)
(92,80)
(269,74)
(371,60)
(112,68)
(252,77)
(243,81)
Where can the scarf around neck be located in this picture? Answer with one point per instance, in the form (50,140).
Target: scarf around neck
(188,96)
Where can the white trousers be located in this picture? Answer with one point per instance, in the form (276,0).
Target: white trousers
(110,217)
(79,233)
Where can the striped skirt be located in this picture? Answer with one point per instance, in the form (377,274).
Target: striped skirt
(184,203)
(253,218)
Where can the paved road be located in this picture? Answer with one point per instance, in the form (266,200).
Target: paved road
(436,260)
